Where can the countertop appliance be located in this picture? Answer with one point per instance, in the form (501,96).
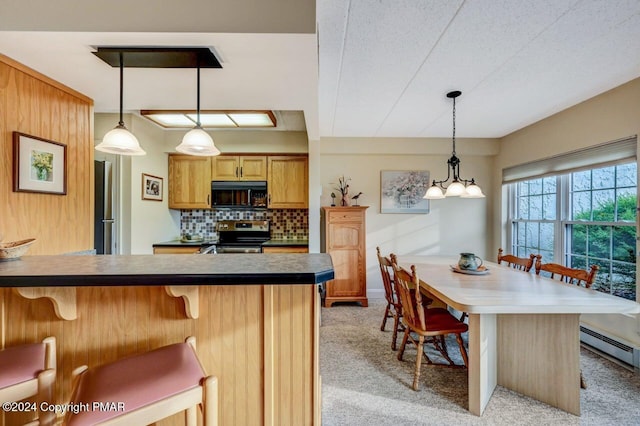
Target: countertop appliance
(239,194)
(242,236)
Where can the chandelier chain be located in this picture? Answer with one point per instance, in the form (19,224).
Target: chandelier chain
(454,126)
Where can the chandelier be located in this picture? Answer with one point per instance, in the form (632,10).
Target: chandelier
(459,187)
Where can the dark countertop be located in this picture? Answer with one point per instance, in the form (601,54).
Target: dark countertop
(179,243)
(270,243)
(166,269)
(286,243)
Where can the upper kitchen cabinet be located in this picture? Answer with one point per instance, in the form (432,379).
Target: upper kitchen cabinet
(189,182)
(239,167)
(288,182)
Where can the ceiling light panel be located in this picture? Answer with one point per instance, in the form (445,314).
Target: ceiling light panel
(172,120)
(252,119)
(213,120)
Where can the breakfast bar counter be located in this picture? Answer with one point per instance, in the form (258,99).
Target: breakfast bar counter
(255,318)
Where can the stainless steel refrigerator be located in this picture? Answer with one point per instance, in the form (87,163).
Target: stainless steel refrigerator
(104,221)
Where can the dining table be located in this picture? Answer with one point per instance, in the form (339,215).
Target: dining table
(523,328)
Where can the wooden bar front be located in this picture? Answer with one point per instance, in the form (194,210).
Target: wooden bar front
(261,341)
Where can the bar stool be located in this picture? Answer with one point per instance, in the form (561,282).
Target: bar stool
(29,370)
(145,388)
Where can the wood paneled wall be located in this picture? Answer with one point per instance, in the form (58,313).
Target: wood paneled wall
(34,104)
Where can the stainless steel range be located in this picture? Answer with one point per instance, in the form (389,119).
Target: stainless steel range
(242,236)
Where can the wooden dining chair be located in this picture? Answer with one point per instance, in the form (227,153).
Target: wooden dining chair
(429,324)
(394,304)
(579,277)
(393,308)
(29,370)
(520,263)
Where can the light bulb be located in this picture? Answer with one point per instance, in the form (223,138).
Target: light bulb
(434,193)
(456,189)
(120,141)
(473,191)
(197,142)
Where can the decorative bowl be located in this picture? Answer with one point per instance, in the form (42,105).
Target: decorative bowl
(13,250)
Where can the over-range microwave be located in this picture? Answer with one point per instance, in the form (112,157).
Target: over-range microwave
(239,194)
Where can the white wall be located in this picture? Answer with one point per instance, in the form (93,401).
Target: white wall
(451,226)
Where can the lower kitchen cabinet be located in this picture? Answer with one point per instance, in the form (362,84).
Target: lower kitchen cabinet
(176,250)
(343,237)
(287,249)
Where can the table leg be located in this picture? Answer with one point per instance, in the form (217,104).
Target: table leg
(539,356)
(483,360)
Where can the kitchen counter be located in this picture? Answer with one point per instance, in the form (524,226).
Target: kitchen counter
(166,269)
(180,243)
(276,242)
(255,318)
(288,242)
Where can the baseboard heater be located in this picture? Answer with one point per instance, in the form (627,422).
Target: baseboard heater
(625,353)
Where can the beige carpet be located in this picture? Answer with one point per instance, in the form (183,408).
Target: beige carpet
(363,383)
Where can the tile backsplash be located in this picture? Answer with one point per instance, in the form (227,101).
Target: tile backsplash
(284,223)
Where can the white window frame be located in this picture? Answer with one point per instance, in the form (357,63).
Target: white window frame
(563,218)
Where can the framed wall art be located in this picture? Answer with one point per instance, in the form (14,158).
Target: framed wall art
(39,165)
(151,187)
(401,191)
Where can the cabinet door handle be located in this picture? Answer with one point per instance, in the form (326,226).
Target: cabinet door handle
(240,171)
(236,172)
(269,202)
(209,199)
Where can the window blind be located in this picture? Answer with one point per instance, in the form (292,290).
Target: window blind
(599,155)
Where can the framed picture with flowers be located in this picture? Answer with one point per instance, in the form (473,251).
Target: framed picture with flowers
(39,165)
(401,191)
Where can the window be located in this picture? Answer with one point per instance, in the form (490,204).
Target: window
(581,218)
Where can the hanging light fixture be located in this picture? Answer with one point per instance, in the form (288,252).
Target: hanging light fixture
(458,187)
(120,140)
(196,141)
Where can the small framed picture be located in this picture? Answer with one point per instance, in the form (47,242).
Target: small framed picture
(39,165)
(401,191)
(151,187)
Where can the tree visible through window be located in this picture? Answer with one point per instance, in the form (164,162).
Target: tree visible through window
(597,224)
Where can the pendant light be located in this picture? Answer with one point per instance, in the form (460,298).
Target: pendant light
(120,140)
(459,187)
(196,141)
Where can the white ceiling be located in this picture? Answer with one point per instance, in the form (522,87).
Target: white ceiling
(376,69)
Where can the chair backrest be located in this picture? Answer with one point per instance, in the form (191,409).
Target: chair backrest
(569,275)
(412,312)
(520,263)
(385,271)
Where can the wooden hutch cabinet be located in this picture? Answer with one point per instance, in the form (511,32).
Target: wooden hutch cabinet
(343,237)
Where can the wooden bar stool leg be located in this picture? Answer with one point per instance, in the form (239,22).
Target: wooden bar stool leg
(210,402)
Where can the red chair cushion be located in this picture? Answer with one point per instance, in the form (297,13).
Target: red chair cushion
(137,381)
(21,363)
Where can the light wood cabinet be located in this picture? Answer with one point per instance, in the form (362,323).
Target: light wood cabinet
(343,237)
(176,250)
(189,182)
(239,167)
(286,249)
(288,182)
